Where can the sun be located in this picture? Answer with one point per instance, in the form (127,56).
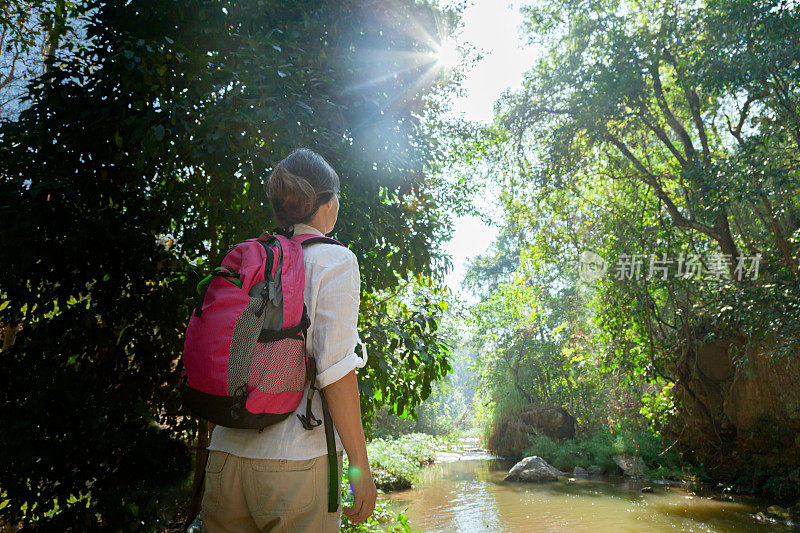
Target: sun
(447,54)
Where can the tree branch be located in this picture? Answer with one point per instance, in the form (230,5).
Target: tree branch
(720,232)
(647,177)
(785,100)
(662,136)
(780,239)
(676,126)
(737,131)
(694,103)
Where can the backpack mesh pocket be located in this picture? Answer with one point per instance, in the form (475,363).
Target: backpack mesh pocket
(243,339)
(278,366)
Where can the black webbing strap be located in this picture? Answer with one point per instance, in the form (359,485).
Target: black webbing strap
(296,331)
(309,420)
(333,463)
(328,240)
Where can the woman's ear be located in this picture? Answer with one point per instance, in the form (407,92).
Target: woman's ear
(332,212)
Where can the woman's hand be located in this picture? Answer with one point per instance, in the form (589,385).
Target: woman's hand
(342,397)
(364,495)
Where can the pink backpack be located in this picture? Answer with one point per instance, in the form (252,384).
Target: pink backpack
(244,358)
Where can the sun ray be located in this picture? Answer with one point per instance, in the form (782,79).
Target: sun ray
(423,79)
(424,59)
(448,54)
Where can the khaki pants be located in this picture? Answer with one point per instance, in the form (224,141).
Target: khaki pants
(255,495)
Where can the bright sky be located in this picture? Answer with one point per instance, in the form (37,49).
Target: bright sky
(493,26)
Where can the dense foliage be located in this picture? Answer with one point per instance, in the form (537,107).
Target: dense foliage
(657,135)
(395,462)
(139,159)
(601,447)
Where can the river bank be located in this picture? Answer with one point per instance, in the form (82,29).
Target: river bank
(396,464)
(470,495)
(461,487)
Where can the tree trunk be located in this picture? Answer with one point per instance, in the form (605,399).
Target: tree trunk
(463,415)
(203,439)
(780,238)
(9,336)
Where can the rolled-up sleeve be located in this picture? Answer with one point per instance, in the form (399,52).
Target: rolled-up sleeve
(335,320)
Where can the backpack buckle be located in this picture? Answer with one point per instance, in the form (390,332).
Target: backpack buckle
(286,231)
(309,421)
(239,402)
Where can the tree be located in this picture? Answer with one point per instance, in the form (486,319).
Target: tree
(32,32)
(647,93)
(652,130)
(523,327)
(140,159)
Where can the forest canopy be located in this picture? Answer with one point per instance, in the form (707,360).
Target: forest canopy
(644,287)
(662,139)
(139,157)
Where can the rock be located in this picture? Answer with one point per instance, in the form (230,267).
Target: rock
(631,466)
(512,432)
(533,469)
(595,470)
(753,409)
(648,490)
(776,511)
(555,422)
(578,471)
(537,475)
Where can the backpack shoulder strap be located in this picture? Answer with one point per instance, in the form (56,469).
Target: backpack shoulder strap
(333,462)
(266,237)
(311,239)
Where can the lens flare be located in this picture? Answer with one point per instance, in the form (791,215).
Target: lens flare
(448,54)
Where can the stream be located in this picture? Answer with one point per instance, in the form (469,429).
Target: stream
(466,493)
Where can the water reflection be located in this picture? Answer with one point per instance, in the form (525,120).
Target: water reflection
(471,496)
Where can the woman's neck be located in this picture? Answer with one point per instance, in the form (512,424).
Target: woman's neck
(318,222)
(299,228)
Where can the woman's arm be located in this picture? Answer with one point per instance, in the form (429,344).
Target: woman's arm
(334,338)
(342,396)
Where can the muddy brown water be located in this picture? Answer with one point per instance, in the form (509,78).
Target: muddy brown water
(469,495)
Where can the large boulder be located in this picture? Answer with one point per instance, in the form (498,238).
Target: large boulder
(555,422)
(533,469)
(738,394)
(512,432)
(595,470)
(631,466)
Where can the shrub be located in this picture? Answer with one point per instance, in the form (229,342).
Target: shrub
(395,462)
(601,447)
(564,455)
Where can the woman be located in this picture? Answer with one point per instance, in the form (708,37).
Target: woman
(277,480)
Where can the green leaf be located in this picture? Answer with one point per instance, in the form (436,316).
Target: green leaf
(158,132)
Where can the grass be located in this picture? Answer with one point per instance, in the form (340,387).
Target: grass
(395,464)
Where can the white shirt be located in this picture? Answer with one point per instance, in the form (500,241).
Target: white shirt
(331,294)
